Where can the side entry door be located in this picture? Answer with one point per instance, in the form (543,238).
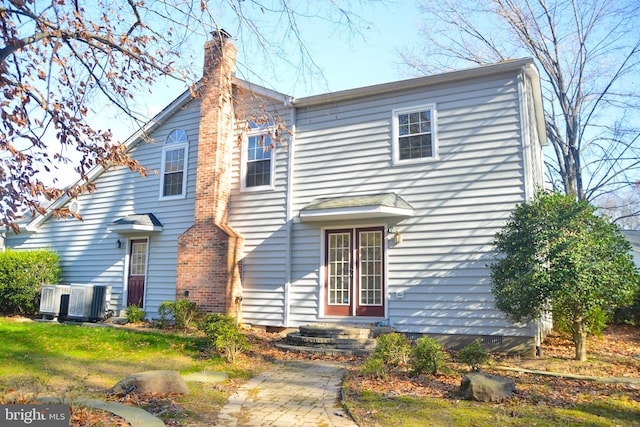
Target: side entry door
(137,272)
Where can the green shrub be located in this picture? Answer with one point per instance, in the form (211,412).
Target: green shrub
(427,356)
(22,274)
(185,313)
(393,349)
(182,312)
(595,323)
(629,314)
(166,312)
(224,334)
(135,314)
(473,355)
(374,366)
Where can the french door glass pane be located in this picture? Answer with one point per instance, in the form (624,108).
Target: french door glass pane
(339,268)
(370,267)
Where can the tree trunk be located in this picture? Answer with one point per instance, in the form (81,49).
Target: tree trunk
(580,340)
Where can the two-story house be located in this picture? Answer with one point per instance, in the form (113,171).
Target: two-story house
(376,204)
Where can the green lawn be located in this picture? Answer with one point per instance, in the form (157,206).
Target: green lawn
(69,361)
(62,360)
(375,409)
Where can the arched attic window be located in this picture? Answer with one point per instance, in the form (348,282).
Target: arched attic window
(174,165)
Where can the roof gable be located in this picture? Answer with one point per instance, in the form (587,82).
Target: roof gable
(521,65)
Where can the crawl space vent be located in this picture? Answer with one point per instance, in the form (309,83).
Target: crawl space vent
(492,339)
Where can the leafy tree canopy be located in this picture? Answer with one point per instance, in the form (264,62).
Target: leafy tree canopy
(556,254)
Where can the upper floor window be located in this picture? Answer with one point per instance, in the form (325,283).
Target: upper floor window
(414,134)
(258,158)
(174,162)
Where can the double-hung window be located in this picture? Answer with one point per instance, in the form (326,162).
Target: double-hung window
(258,160)
(414,136)
(174,162)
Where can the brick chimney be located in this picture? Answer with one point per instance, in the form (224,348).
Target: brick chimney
(210,252)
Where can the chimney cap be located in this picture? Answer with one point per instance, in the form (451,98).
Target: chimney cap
(222,33)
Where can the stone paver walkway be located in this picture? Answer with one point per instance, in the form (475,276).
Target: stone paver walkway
(292,394)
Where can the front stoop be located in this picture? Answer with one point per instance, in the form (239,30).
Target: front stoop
(331,339)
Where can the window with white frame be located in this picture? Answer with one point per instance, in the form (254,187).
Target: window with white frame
(415,133)
(174,162)
(258,159)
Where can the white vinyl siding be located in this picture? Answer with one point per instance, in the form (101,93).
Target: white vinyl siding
(438,279)
(88,250)
(435,281)
(261,218)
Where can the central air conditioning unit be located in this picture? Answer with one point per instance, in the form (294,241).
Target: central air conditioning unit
(89,302)
(54,301)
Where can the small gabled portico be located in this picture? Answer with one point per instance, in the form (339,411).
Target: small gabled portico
(354,259)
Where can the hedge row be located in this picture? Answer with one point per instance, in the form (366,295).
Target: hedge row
(22,274)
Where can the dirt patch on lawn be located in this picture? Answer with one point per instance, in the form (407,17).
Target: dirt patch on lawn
(614,354)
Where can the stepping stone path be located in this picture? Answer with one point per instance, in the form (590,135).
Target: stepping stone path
(293,394)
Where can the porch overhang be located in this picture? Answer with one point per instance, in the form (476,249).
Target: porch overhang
(371,206)
(136,223)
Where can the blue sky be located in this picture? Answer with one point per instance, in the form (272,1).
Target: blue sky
(347,60)
(354,60)
(366,56)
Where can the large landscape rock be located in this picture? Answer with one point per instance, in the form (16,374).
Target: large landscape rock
(486,388)
(151,382)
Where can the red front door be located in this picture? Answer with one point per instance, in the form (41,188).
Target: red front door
(137,272)
(354,272)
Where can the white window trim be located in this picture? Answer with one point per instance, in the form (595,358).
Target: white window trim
(184,146)
(396,134)
(244,160)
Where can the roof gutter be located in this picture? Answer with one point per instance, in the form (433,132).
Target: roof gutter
(453,76)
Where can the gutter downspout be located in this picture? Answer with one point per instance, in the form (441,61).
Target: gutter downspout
(525,136)
(289,216)
(536,326)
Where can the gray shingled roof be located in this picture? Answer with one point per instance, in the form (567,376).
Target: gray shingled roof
(391,200)
(147,219)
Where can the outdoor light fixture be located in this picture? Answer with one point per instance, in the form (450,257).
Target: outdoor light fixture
(118,244)
(397,237)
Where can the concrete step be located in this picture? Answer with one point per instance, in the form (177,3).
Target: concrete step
(334,331)
(356,343)
(320,350)
(331,339)
(295,338)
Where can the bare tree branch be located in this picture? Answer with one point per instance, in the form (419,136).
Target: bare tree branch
(58,60)
(588,52)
